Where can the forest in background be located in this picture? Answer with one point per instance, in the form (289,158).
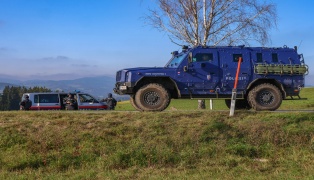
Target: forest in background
(11,96)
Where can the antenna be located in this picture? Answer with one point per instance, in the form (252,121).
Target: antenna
(300,44)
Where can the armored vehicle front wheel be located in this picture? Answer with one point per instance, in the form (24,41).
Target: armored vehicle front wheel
(240,104)
(265,97)
(152,97)
(132,101)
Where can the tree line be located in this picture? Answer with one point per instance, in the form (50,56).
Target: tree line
(12,95)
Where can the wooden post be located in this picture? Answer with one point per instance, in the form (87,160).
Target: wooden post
(201,104)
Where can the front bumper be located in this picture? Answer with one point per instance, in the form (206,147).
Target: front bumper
(123,88)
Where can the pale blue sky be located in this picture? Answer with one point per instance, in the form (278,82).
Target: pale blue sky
(41,39)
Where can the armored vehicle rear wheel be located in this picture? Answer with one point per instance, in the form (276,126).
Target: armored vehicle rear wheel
(240,104)
(152,97)
(265,97)
(132,101)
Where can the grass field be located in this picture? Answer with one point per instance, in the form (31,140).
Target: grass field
(195,144)
(191,104)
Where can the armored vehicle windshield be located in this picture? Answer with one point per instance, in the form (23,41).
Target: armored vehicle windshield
(176,60)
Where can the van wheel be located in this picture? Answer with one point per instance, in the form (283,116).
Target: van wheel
(265,97)
(132,101)
(152,97)
(240,104)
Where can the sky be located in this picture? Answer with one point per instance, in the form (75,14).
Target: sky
(69,39)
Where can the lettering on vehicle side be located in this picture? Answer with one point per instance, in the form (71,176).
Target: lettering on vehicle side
(233,78)
(155,74)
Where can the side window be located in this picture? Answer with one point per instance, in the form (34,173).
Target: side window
(259,57)
(87,98)
(274,57)
(48,98)
(236,57)
(203,57)
(36,98)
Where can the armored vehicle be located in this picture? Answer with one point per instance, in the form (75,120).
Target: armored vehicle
(267,76)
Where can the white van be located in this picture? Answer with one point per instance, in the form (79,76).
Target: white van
(54,101)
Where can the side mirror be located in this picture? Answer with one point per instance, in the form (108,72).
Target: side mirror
(174,53)
(185,68)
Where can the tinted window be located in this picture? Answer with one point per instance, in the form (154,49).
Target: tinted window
(259,57)
(46,98)
(274,57)
(36,98)
(87,98)
(203,57)
(236,57)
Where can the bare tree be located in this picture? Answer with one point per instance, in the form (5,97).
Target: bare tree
(214,22)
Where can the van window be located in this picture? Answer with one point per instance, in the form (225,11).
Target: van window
(236,57)
(203,57)
(36,99)
(46,98)
(87,98)
(274,57)
(259,57)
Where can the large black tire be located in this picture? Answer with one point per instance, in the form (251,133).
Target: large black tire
(265,97)
(132,101)
(152,97)
(240,104)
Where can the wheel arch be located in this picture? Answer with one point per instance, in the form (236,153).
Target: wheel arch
(166,82)
(270,81)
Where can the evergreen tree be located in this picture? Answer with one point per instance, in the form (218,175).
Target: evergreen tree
(12,96)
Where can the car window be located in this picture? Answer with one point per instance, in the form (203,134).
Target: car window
(274,57)
(87,98)
(259,57)
(203,57)
(236,57)
(46,98)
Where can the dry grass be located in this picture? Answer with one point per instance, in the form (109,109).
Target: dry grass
(165,145)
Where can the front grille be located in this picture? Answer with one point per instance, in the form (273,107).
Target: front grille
(118,77)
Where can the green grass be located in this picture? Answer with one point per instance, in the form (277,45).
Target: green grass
(192,104)
(173,144)
(163,145)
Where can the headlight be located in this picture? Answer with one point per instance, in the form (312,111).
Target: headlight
(122,87)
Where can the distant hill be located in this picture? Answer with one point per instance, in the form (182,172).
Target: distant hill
(9,79)
(98,86)
(3,85)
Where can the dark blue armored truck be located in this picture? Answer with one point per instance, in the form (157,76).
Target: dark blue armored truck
(267,76)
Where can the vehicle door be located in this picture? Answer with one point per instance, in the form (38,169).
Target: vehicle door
(46,102)
(202,74)
(229,64)
(88,102)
